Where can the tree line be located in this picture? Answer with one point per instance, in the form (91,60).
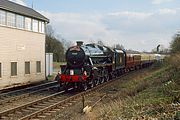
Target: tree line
(54,45)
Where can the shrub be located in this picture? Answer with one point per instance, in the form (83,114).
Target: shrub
(174,60)
(175,45)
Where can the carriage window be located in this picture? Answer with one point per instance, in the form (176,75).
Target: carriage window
(120,59)
(13,68)
(27,67)
(2,17)
(38,66)
(0,71)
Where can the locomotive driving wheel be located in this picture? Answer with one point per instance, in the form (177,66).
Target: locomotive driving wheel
(97,81)
(66,86)
(91,83)
(106,76)
(102,80)
(84,86)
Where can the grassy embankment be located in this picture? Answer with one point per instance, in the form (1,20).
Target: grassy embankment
(155,97)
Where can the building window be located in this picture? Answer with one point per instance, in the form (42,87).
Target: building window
(11,19)
(28,24)
(2,17)
(35,25)
(0,71)
(41,27)
(38,66)
(27,67)
(19,21)
(13,68)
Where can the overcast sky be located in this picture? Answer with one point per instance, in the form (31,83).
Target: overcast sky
(136,24)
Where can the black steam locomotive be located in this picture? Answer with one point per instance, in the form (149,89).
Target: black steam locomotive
(91,64)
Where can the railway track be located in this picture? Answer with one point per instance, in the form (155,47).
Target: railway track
(22,93)
(45,107)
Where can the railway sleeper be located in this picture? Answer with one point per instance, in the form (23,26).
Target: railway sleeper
(32,108)
(47,113)
(70,103)
(61,107)
(57,109)
(66,105)
(52,111)
(42,116)
(73,101)
(39,106)
(25,110)
(4,117)
(53,100)
(18,112)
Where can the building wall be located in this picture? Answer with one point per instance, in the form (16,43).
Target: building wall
(19,46)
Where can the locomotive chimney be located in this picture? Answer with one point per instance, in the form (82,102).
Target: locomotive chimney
(79,43)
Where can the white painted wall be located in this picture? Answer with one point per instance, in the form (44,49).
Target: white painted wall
(20,46)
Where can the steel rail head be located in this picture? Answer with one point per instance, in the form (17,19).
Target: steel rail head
(25,89)
(6,112)
(23,95)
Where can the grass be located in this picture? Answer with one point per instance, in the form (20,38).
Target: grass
(153,97)
(56,65)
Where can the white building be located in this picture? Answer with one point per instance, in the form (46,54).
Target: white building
(22,45)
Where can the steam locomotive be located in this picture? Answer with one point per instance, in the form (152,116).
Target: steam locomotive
(92,64)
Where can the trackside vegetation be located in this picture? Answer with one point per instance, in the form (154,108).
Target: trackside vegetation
(156,96)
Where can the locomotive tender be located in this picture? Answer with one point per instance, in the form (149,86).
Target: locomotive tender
(92,64)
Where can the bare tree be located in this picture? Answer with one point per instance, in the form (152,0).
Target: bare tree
(54,45)
(118,46)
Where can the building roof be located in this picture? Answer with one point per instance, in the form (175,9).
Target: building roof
(19,9)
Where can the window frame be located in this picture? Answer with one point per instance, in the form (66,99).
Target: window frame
(27,72)
(5,18)
(26,26)
(18,21)
(35,25)
(18,25)
(11,21)
(38,68)
(16,72)
(0,70)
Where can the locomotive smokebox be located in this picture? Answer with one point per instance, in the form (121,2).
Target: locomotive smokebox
(79,43)
(75,57)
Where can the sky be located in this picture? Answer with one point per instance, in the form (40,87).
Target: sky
(136,24)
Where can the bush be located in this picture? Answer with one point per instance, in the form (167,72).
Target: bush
(174,61)
(175,45)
